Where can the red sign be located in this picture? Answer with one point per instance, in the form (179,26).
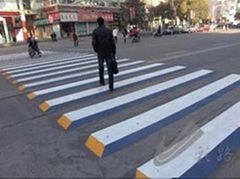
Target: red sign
(91,16)
(9,14)
(53,17)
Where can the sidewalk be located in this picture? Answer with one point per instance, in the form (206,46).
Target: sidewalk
(12,44)
(229,31)
(82,39)
(40,41)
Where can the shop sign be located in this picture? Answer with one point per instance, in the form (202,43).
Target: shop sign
(55,17)
(9,14)
(8,5)
(91,16)
(50,9)
(68,17)
(107,16)
(41,22)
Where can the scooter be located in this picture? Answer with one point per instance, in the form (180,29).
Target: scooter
(136,39)
(32,53)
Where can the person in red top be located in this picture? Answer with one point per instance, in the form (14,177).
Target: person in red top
(134,32)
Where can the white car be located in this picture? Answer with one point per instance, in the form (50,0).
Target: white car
(192,29)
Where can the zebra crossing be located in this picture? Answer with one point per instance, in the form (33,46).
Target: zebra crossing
(48,80)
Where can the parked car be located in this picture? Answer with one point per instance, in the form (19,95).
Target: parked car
(177,30)
(185,30)
(206,28)
(192,29)
(200,29)
(168,31)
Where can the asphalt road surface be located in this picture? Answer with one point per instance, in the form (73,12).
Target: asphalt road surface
(174,111)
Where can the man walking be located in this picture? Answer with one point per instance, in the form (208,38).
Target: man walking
(125,32)
(75,39)
(104,45)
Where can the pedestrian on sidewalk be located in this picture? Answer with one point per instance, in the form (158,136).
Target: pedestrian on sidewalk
(115,34)
(125,32)
(104,45)
(75,39)
(54,36)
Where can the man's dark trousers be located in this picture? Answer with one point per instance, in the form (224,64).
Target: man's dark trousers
(108,59)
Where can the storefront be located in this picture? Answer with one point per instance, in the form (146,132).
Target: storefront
(13,30)
(62,23)
(87,20)
(64,20)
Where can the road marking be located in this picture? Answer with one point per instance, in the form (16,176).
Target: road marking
(127,132)
(79,83)
(49,81)
(57,79)
(36,77)
(79,95)
(55,68)
(88,59)
(33,84)
(219,44)
(81,116)
(31,64)
(175,53)
(197,52)
(199,159)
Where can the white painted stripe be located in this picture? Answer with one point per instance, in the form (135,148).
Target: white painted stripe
(82,94)
(75,84)
(214,133)
(31,64)
(54,64)
(35,77)
(197,52)
(56,68)
(175,53)
(125,128)
(121,100)
(78,75)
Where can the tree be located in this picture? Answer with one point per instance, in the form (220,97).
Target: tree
(133,12)
(164,9)
(237,16)
(199,7)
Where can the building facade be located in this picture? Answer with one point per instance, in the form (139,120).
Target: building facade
(67,17)
(153,3)
(223,11)
(20,18)
(16,19)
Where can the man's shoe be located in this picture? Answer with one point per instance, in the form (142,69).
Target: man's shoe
(111,89)
(102,83)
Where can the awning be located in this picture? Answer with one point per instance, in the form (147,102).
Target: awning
(41,22)
(9,14)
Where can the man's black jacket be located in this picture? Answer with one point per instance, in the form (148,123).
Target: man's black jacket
(103,42)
